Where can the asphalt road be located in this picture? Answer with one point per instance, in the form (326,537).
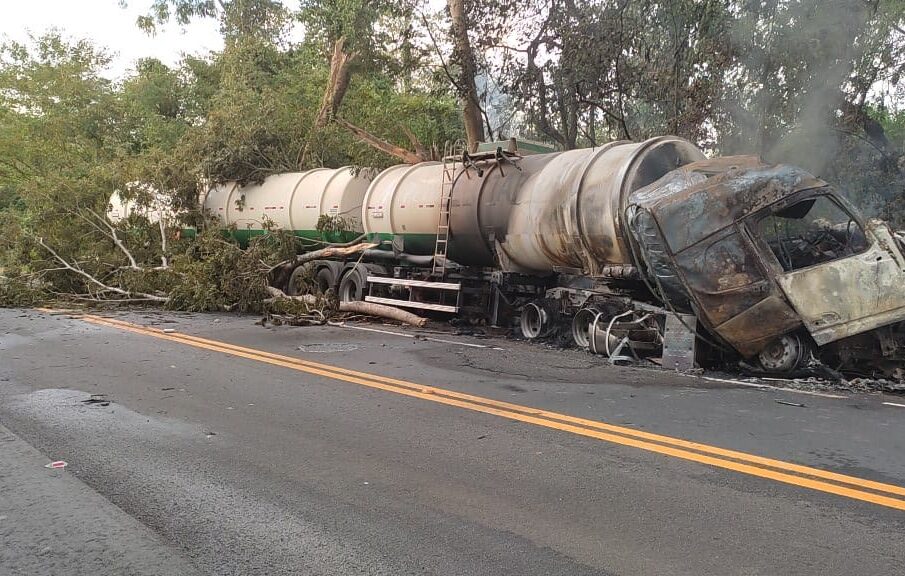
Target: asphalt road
(200,458)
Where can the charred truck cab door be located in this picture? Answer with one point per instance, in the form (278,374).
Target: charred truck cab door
(734,293)
(841,277)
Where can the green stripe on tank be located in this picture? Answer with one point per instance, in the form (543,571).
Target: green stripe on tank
(415,244)
(312,239)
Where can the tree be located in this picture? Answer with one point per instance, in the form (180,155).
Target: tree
(463,55)
(64,135)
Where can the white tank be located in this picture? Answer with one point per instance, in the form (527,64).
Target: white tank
(569,214)
(292,201)
(404,200)
(119,209)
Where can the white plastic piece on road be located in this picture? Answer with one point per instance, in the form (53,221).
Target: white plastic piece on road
(768,387)
(894,404)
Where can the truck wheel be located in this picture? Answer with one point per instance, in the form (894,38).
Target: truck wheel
(535,321)
(299,281)
(325,280)
(785,354)
(581,326)
(352,286)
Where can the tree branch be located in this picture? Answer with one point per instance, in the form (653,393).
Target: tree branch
(92,280)
(380,144)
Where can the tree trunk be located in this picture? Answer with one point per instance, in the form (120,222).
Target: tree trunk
(468,89)
(371,309)
(335,91)
(337,84)
(381,144)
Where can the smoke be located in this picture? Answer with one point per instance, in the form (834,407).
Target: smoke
(799,54)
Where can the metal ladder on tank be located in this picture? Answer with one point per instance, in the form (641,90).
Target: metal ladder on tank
(447,182)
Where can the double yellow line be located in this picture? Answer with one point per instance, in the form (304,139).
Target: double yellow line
(888,495)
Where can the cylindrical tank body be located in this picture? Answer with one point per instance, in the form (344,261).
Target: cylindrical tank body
(120,209)
(480,208)
(404,201)
(294,201)
(565,209)
(534,214)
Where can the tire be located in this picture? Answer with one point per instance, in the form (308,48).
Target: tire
(352,286)
(325,280)
(298,281)
(787,354)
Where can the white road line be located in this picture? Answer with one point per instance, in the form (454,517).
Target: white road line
(768,387)
(894,404)
(344,325)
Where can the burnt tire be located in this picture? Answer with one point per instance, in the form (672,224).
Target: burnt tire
(787,354)
(352,286)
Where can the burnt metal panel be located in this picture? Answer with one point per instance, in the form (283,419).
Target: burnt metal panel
(690,215)
(724,275)
(754,328)
(850,295)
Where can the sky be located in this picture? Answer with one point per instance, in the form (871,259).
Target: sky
(110,25)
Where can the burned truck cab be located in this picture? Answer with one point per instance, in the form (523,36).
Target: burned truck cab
(773,261)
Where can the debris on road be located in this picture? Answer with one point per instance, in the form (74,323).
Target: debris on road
(97,399)
(785,403)
(56,465)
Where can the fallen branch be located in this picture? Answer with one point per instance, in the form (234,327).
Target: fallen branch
(371,309)
(92,280)
(277,294)
(406,156)
(329,252)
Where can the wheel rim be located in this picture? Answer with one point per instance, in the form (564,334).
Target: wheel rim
(532,321)
(581,327)
(783,354)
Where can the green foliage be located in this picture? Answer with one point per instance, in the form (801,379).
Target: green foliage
(802,81)
(215,274)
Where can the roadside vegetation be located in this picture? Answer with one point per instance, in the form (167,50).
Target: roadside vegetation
(375,82)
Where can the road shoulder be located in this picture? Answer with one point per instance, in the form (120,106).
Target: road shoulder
(52,523)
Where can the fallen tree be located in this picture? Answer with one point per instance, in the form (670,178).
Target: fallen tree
(366,308)
(332,251)
(379,310)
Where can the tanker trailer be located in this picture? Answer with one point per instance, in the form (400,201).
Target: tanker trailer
(506,229)
(154,206)
(321,206)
